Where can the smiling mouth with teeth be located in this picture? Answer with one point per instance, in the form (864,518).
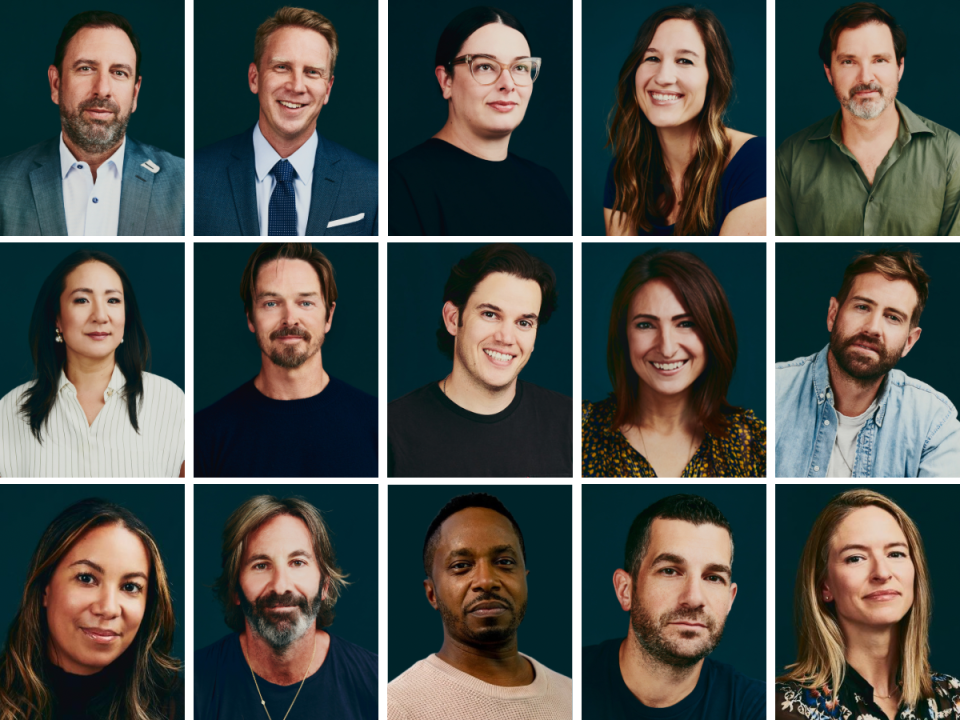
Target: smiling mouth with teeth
(500,357)
(292,106)
(669,366)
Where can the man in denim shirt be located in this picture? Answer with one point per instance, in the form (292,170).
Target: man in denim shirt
(845,412)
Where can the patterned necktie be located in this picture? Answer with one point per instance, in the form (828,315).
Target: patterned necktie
(283,202)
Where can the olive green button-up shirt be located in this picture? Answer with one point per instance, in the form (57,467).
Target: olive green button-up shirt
(821,189)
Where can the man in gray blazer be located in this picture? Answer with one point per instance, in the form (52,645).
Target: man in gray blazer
(93,179)
(281,177)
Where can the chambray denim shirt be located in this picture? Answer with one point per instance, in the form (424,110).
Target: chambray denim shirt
(913,433)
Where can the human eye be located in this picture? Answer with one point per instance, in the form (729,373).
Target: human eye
(521,68)
(651,58)
(260,566)
(717,579)
(853,559)
(299,563)
(509,562)
(460,566)
(489,314)
(687,324)
(895,319)
(80,301)
(132,588)
(685,61)
(526,324)
(669,572)
(114,301)
(270,303)
(900,554)
(86,578)
(643,325)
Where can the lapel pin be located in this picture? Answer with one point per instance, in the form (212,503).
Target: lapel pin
(151,166)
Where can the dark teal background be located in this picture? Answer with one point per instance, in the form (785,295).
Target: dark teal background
(225,351)
(350,512)
(931,507)
(223,34)
(155,270)
(809,274)
(417,273)
(418,110)
(29,35)
(609,510)
(545,516)
(29,509)
(741,270)
(608,35)
(804,96)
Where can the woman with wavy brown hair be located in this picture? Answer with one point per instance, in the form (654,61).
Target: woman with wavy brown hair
(93,634)
(677,168)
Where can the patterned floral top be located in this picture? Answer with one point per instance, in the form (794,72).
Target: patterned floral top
(607,453)
(855,701)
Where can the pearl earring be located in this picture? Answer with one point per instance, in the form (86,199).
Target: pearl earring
(58,337)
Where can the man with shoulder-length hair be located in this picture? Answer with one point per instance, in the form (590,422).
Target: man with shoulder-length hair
(875,167)
(481,420)
(279,585)
(676,583)
(846,412)
(93,179)
(330,428)
(281,177)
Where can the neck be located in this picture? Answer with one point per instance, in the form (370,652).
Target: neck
(288,665)
(857,131)
(89,374)
(852,396)
(94,160)
(497,664)
(291,383)
(493,148)
(679,146)
(286,146)
(665,413)
(652,682)
(875,654)
(464,390)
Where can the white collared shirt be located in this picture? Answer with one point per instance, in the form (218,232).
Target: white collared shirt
(92,208)
(265,157)
(110,447)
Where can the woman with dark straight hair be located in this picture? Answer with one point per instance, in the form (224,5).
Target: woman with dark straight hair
(671,352)
(92,637)
(93,410)
(677,168)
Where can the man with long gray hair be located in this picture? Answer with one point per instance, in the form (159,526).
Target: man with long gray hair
(279,585)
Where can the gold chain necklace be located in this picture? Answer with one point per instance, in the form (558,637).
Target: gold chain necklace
(264,702)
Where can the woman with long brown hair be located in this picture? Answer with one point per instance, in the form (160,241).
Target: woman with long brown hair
(677,168)
(93,634)
(671,352)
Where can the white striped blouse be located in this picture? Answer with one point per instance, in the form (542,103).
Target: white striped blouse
(110,447)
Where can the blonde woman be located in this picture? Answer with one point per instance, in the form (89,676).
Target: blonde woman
(863,617)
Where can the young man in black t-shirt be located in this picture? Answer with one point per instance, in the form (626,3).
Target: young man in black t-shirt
(481,420)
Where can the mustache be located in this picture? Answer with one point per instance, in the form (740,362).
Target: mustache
(866,341)
(288,331)
(102,103)
(690,614)
(490,597)
(866,87)
(288,598)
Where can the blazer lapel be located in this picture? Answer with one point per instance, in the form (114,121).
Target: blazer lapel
(327,180)
(47,186)
(243,174)
(135,189)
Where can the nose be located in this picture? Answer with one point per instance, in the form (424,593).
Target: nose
(107,604)
(485,577)
(506,80)
(866,76)
(99,308)
(873,324)
(505,334)
(668,342)
(282,581)
(297,83)
(881,571)
(666,74)
(102,86)
(691,596)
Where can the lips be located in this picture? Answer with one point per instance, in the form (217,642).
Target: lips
(882,595)
(498,357)
(503,106)
(98,335)
(290,105)
(100,635)
(664,98)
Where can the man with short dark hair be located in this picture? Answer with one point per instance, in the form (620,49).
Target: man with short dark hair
(279,586)
(876,167)
(93,180)
(475,561)
(846,412)
(293,419)
(281,177)
(676,583)
(481,420)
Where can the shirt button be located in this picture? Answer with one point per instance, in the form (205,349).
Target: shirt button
(826,422)
(816,468)
(79,167)
(95,200)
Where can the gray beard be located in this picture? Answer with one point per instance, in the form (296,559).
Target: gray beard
(93,137)
(871,108)
(282,634)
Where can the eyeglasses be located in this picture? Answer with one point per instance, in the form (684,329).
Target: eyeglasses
(486,70)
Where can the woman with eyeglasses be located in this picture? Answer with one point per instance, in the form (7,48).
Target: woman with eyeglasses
(464,180)
(677,168)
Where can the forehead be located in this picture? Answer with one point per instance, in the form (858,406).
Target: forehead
(872,38)
(870,526)
(657,297)
(297,275)
(501,41)
(297,43)
(478,530)
(93,275)
(279,536)
(697,544)
(109,45)
(508,292)
(898,293)
(677,34)
(112,547)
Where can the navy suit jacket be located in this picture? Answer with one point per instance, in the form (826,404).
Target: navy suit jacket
(225,196)
(31,192)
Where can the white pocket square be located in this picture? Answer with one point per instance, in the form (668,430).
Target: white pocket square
(345,221)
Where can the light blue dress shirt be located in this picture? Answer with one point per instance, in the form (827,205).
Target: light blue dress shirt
(92,208)
(913,433)
(265,157)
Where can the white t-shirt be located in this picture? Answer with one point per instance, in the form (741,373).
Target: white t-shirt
(844,454)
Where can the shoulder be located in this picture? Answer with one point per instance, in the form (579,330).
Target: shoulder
(533,170)
(212,656)
(431,150)
(944,138)
(600,414)
(161,386)
(223,148)
(362,660)
(799,143)
(353,161)
(792,698)
(542,397)
(747,150)
(558,681)
(24,160)
(11,401)
(411,682)
(236,401)
(729,675)
(746,425)
(412,400)
(945,685)
(595,655)
(348,393)
(919,392)
(792,367)
(165,161)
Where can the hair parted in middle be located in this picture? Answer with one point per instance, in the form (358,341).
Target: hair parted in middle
(486,260)
(245,520)
(643,185)
(857,15)
(690,508)
(464,25)
(821,650)
(267,252)
(296,17)
(893,265)
(701,295)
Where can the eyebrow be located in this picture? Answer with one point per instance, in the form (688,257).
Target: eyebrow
(89,290)
(864,547)
(678,52)
(276,294)
(95,63)
(655,317)
(467,552)
(851,56)
(293,554)
(491,306)
(283,61)
(91,564)
(868,301)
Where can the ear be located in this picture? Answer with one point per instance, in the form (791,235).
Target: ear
(236,599)
(623,588)
(54,78)
(431,592)
(911,341)
(250,325)
(829,74)
(253,77)
(136,94)
(326,97)
(901,68)
(333,306)
(451,317)
(446,81)
(825,593)
(46,593)
(832,313)
(326,587)
(733,596)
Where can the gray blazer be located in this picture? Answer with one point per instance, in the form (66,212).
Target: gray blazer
(31,192)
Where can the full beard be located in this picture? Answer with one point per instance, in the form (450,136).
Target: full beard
(489,635)
(280,632)
(868,108)
(649,633)
(93,136)
(292,356)
(858,366)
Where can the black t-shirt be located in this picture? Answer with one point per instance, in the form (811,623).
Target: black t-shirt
(721,692)
(438,189)
(247,434)
(345,686)
(88,697)
(431,436)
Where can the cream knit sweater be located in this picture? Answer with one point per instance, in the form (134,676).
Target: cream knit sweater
(433,690)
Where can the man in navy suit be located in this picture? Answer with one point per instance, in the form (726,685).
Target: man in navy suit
(281,177)
(93,179)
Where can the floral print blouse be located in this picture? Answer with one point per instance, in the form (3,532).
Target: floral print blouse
(855,701)
(607,453)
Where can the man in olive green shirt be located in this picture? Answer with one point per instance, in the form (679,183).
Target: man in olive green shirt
(876,167)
